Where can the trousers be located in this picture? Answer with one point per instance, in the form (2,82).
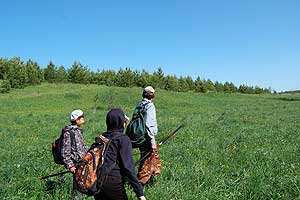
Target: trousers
(112,189)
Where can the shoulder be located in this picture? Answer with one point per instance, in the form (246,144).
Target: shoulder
(67,130)
(123,139)
(150,106)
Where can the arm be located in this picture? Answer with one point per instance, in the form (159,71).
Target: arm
(151,124)
(127,166)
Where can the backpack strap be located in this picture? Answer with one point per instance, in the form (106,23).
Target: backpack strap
(72,134)
(141,110)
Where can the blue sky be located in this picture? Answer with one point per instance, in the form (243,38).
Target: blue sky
(252,42)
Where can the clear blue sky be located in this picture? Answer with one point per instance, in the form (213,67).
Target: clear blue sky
(253,42)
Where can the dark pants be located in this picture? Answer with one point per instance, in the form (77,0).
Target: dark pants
(112,189)
(76,194)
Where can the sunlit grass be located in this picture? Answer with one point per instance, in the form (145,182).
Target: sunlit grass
(233,146)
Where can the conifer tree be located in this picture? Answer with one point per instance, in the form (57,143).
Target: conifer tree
(183,86)
(200,85)
(17,73)
(50,73)
(125,78)
(158,78)
(210,86)
(61,75)
(171,83)
(219,87)
(78,73)
(33,72)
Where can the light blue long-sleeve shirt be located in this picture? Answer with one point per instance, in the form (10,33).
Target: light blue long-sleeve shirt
(151,123)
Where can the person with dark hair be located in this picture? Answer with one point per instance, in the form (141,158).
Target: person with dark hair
(119,152)
(73,147)
(150,165)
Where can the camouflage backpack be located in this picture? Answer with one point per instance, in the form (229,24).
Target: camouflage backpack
(92,170)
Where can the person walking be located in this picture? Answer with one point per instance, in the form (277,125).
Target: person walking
(73,147)
(149,165)
(119,152)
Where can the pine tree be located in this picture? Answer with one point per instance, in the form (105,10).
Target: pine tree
(171,83)
(219,87)
(190,83)
(200,85)
(50,73)
(78,73)
(17,73)
(210,86)
(33,72)
(158,78)
(183,86)
(125,78)
(61,75)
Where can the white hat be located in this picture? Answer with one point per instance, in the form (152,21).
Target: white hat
(75,114)
(149,89)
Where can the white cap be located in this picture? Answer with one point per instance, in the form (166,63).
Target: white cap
(75,114)
(149,89)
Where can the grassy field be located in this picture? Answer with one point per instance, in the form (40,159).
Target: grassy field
(233,146)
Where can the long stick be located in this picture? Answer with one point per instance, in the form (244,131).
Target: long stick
(161,142)
(48,176)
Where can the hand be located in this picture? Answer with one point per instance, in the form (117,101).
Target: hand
(72,170)
(142,198)
(154,150)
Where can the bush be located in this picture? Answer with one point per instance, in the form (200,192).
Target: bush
(5,86)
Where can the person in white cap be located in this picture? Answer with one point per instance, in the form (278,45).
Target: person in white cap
(73,147)
(149,146)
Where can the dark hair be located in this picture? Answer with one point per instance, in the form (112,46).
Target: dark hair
(148,95)
(74,121)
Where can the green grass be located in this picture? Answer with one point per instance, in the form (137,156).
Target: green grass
(233,146)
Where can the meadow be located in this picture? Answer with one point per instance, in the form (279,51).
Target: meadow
(233,146)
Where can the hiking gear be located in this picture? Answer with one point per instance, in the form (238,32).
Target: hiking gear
(75,114)
(161,142)
(136,129)
(150,164)
(51,175)
(92,171)
(150,167)
(169,136)
(57,145)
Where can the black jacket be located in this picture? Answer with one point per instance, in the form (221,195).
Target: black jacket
(120,150)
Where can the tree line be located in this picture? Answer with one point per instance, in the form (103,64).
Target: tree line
(15,73)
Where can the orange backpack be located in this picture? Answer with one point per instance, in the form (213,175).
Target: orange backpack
(92,170)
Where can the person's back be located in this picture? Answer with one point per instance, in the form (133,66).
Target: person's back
(149,146)
(119,155)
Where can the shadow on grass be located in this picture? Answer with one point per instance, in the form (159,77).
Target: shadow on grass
(287,99)
(51,186)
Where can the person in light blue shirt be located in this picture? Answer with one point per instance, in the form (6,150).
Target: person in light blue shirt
(151,165)
(151,123)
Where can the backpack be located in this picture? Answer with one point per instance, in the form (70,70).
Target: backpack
(136,129)
(56,146)
(92,170)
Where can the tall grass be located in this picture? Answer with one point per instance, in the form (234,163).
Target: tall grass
(233,146)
